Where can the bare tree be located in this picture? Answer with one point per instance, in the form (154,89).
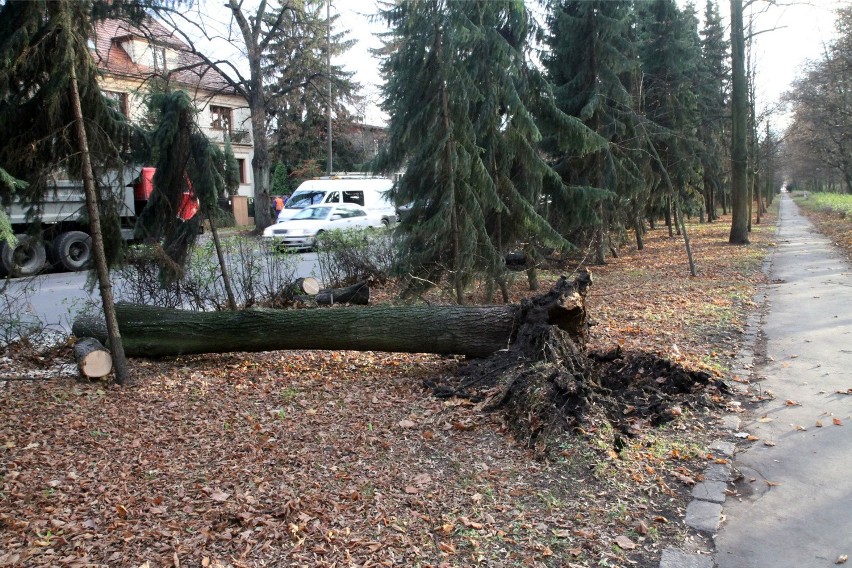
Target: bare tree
(253,32)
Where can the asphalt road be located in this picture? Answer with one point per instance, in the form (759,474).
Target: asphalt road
(55,299)
(794,508)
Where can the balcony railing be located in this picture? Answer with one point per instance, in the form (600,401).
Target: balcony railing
(236,136)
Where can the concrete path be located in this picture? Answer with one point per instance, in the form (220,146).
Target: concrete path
(793,507)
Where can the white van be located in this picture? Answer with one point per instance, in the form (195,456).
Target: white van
(368,192)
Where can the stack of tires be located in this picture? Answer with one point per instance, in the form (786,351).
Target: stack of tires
(70,251)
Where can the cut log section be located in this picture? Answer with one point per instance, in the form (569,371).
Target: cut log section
(464,330)
(93,359)
(308,285)
(358,294)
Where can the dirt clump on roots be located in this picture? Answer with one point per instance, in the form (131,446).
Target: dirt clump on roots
(547,383)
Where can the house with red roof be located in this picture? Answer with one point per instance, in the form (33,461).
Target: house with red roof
(131,57)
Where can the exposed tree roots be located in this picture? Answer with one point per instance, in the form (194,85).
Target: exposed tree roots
(546,384)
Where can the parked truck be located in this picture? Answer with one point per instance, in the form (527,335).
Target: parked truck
(64,240)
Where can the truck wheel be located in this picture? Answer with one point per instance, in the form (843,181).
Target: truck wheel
(27,258)
(73,250)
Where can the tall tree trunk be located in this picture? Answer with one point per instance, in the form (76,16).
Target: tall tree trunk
(454,219)
(113,334)
(603,233)
(639,229)
(669,222)
(226,277)
(739,130)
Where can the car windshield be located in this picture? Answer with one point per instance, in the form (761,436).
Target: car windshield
(313,213)
(302,199)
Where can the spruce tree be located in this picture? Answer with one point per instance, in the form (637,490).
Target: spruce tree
(591,66)
(463,101)
(54,117)
(670,59)
(296,56)
(232,169)
(713,89)
(186,163)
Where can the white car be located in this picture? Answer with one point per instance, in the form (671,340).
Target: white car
(301,230)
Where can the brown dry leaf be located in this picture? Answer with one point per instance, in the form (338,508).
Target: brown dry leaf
(765,418)
(407,424)
(790,402)
(842,559)
(772,483)
(818,424)
(562,533)
(121,511)
(446,547)
(575,552)
(219,496)
(685,479)
(800,428)
(422,479)
(470,524)
(411,490)
(752,438)
(768,443)
(625,543)
(641,528)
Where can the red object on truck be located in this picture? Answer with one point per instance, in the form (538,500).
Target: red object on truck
(143,186)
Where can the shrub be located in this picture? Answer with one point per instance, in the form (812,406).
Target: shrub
(256,272)
(347,257)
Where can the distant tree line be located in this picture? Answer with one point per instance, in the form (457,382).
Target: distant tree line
(817,147)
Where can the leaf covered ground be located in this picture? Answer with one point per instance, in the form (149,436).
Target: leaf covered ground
(303,458)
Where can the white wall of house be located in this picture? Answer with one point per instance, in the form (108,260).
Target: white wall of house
(206,103)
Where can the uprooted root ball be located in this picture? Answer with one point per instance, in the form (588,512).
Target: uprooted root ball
(557,387)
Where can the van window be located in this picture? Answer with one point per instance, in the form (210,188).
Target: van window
(333,197)
(354,196)
(302,199)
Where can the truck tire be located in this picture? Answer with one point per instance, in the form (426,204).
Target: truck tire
(73,250)
(27,258)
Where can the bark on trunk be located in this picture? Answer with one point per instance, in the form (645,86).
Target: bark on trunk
(102,270)
(739,151)
(463,330)
(356,294)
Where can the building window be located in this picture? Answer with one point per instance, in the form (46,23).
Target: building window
(220,118)
(121,101)
(242,164)
(159,58)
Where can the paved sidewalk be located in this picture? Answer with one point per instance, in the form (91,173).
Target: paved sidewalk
(792,506)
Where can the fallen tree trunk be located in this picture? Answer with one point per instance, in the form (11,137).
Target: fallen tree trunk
(93,360)
(463,330)
(356,294)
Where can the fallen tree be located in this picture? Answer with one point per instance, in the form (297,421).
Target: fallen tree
(532,364)
(464,330)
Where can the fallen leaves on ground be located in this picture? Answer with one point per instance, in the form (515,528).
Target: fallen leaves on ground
(300,458)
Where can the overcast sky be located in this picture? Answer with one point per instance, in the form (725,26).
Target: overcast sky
(800,30)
